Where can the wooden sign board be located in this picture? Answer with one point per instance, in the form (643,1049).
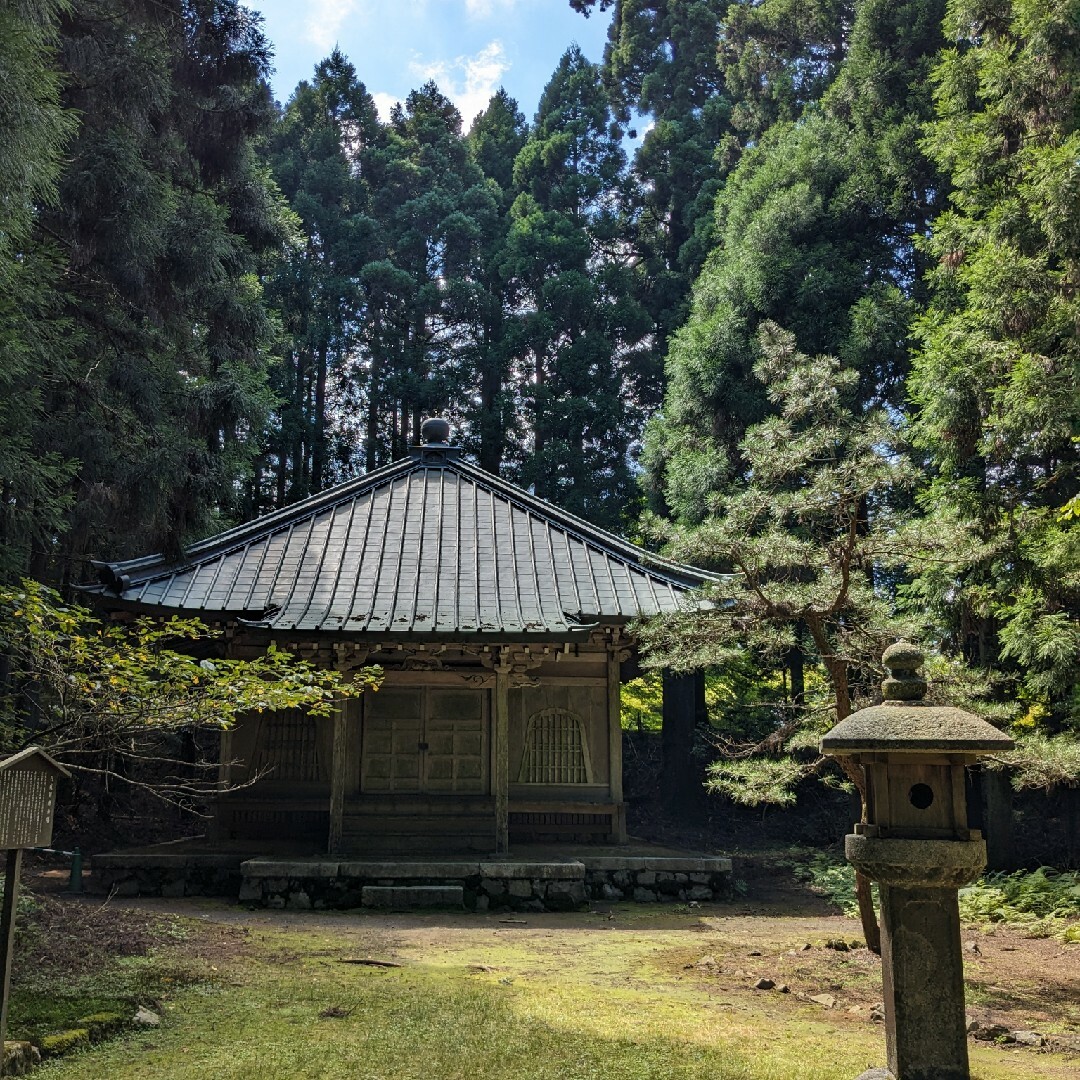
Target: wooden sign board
(28,798)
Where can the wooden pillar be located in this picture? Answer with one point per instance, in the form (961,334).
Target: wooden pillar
(339,773)
(12,870)
(615,764)
(502,762)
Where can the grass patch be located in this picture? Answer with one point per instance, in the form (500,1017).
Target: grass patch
(85,967)
(575,997)
(532,1016)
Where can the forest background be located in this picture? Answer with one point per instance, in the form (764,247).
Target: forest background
(820,333)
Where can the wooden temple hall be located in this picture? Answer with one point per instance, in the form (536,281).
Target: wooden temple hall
(500,621)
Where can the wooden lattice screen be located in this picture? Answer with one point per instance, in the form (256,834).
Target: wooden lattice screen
(556,750)
(288,747)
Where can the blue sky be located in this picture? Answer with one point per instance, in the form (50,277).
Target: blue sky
(469,47)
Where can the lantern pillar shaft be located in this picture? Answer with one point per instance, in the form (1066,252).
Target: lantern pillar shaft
(923,977)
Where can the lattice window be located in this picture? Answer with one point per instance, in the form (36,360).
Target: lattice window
(556,749)
(288,748)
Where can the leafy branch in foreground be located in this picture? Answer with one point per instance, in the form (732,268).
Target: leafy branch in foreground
(103,695)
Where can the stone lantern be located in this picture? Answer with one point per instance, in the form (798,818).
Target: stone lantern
(917,846)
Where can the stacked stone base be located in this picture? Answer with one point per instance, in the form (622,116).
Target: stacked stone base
(166,874)
(474,885)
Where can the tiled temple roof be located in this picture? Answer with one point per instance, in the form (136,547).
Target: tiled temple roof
(430,545)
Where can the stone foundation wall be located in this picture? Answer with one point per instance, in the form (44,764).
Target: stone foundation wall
(301,884)
(166,875)
(547,886)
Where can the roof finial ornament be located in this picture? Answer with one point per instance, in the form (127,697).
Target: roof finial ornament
(435,431)
(904,683)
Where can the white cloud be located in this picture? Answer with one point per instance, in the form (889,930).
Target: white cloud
(468,81)
(384,103)
(326,17)
(485,9)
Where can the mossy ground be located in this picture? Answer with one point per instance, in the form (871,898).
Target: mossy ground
(616,994)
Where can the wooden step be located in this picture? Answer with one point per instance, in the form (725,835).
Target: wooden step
(362,825)
(433,805)
(398,844)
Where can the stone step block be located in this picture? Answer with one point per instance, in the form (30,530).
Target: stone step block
(418,868)
(539,871)
(410,896)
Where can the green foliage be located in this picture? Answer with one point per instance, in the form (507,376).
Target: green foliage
(995,383)
(779,56)
(1041,902)
(578,321)
(642,702)
(801,536)
(1043,761)
(321,153)
(833,878)
(661,63)
(800,532)
(151,365)
(34,124)
(813,226)
(758,781)
(35,344)
(87,690)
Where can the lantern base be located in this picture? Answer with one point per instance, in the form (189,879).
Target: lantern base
(916,864)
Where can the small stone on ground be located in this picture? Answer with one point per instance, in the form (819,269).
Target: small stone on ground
(146,1018)
(1027,1038)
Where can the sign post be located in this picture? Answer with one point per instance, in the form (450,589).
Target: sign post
(27,801)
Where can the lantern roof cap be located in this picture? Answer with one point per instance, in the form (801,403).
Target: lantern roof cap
(904,723)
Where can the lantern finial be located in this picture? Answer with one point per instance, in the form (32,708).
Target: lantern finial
(904,683)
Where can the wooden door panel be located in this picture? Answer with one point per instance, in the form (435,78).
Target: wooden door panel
(390,759)
(457,750)
(425,741)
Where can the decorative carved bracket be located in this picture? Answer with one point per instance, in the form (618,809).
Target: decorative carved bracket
(350,656)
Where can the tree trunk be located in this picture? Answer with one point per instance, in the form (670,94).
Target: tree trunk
(681,789)
(492,434)
(539,432)
(318,424)
(798,682)
(374,401)
(836,666)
